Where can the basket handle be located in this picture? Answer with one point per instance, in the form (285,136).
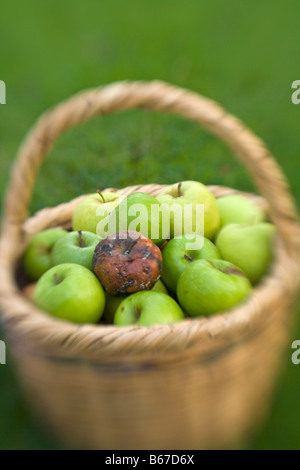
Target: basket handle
(156,96)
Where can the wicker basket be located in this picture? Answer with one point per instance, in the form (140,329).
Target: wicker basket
(200,383)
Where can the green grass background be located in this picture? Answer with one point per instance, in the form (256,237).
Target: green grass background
(244,55)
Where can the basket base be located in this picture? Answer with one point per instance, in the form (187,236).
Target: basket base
(183,408)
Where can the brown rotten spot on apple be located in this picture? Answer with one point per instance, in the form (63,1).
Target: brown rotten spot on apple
(127,262)
(229,269)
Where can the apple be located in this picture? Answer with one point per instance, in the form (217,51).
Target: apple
(127,262)
(37,257)
(159,287)
(146,308)
(94,209)
(139,212)
(177,256)
(76,247)
(236,208)
(248,246)
(71,292)
(207,287)
(191,193)
(112,302)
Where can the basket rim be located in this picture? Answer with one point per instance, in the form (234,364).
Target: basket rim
(61,338)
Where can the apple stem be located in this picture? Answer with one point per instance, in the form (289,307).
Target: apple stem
(56,279)
(188,257)
(81,240)
(179,189)
(129,244)
(101,195)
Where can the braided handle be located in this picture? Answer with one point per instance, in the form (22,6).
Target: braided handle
(156,96)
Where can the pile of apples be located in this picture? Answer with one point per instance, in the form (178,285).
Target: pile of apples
(90,275)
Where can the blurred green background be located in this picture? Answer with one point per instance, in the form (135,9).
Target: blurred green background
(244,55)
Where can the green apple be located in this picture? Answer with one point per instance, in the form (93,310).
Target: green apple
(188,196)
(37,257)
(207,287)
(159,287)
(139,212)
(70,292)
(250,247)
(146,308)
(112,302)
(93,210)
(236,208)
(177,256)
(76,247)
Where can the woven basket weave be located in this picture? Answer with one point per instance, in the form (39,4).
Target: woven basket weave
(200,383)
